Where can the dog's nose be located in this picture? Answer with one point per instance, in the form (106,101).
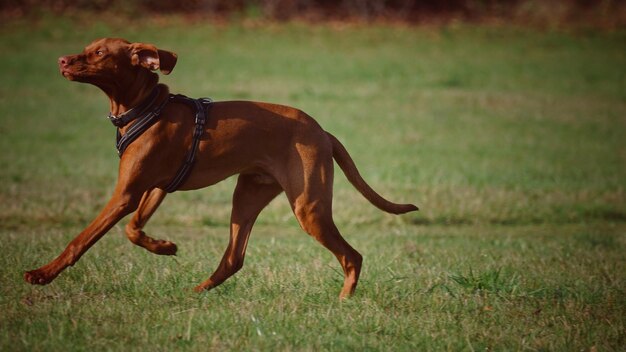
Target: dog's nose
(63,60)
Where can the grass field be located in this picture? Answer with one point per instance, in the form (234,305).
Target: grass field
(511,141)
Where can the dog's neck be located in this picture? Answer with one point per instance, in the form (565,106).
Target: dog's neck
(128,94)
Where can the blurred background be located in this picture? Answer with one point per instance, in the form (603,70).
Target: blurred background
(504,121)
(604,13)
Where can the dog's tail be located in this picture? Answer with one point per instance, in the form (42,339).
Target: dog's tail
(341,156)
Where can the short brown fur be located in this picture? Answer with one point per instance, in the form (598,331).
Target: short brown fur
(273,148)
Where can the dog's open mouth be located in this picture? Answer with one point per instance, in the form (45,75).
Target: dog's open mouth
(67,74)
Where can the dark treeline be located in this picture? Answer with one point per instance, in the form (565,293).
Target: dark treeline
(405,10)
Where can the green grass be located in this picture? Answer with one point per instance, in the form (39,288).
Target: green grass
(511,141)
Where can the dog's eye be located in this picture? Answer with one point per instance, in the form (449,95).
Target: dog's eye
(99,52)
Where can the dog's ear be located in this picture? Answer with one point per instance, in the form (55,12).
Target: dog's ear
(168,61)
(148,56)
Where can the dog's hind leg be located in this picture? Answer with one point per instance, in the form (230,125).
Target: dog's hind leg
(310,190)
(150,201)
(252,193)
(315,218)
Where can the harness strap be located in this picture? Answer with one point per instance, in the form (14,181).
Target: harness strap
(123,119)
(201,107)
(137,128)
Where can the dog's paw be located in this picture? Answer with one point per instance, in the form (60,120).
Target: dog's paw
(163,247)
(200,289)
(204,286)
(37,277)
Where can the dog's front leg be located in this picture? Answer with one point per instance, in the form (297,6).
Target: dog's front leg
(123,202)
(148,205)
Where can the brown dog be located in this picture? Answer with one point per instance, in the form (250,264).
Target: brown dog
(273,148)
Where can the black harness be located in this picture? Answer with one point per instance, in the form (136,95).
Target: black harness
(147,114)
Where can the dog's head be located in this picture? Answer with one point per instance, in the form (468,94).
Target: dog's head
(106,61)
